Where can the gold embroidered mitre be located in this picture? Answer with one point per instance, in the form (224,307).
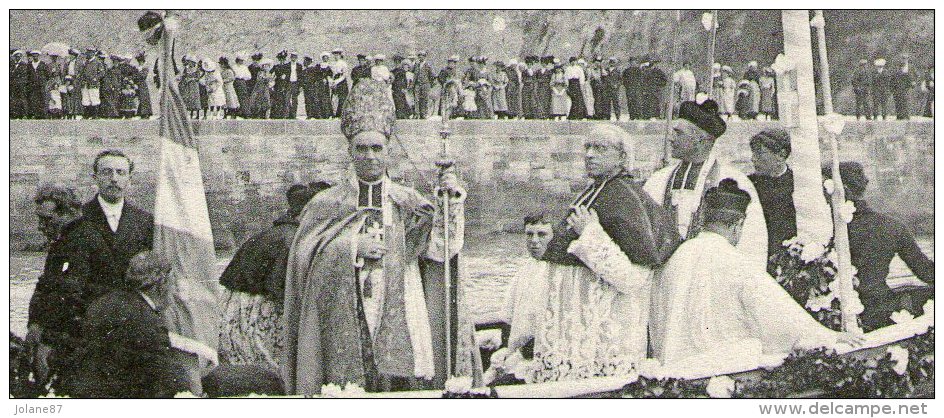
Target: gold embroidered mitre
(369,107)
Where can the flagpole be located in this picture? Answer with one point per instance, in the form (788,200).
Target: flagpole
(444,164)
(820,24)
(711,55)
(670,108)
(846,290)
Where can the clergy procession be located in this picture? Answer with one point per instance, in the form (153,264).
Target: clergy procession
(358,288)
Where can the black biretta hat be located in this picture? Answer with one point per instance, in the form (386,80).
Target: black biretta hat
(727,197)
(704,116)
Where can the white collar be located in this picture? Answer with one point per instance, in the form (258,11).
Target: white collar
(111,208)
(148,300)
(713,237)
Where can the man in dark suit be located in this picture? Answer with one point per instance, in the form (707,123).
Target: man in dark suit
(20,79)
(306,79)
(423,77)
(653,84)
(280,91)
(127,351)
(611,84)
(52,326)
(110,231)
(294,76)
(37,85)
(632,83)
(862,87)
(880,89)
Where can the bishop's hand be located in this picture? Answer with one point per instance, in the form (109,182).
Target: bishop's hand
(448,179)
(368,247)
(580,218)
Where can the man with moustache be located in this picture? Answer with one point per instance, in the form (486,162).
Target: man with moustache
(110,231)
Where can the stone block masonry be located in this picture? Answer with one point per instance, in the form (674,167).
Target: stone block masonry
(511,167)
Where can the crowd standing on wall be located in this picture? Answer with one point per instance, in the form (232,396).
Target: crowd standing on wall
(94,84)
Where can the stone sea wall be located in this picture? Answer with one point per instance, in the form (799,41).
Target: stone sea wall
(511,167)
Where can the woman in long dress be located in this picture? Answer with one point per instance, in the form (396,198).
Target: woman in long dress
(529,90)
(542,90)
(229,88)
(483,90)
(140,76)
(216,98)
(189,86)
(728,91)
(575,81)
(499,82)
(560,101)
(260,101)
(768,90)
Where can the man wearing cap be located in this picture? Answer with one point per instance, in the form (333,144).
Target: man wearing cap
(711,303)
(600,267)
(901,83)
(880,85)
(773,180)
(90,79)
(423,77)
(862,87)
(874,240)
(294,76)
(632,84)
(680,187)
(610,104)
(513,90)
(306,82)
(652,80)
(110,87)
(20,73)
(281,90)
(341,73)
(39,74)
(595,73)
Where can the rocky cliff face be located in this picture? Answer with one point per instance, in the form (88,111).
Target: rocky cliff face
(743,35)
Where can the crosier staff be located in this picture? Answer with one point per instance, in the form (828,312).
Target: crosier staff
(446,168)
(444,164)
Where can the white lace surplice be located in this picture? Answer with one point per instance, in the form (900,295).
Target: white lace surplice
(710,301)
(594,322)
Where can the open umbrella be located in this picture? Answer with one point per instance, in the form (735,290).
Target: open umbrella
(58,49)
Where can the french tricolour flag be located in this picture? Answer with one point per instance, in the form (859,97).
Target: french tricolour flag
(182,232)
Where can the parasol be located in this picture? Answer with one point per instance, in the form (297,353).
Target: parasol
(57,49)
